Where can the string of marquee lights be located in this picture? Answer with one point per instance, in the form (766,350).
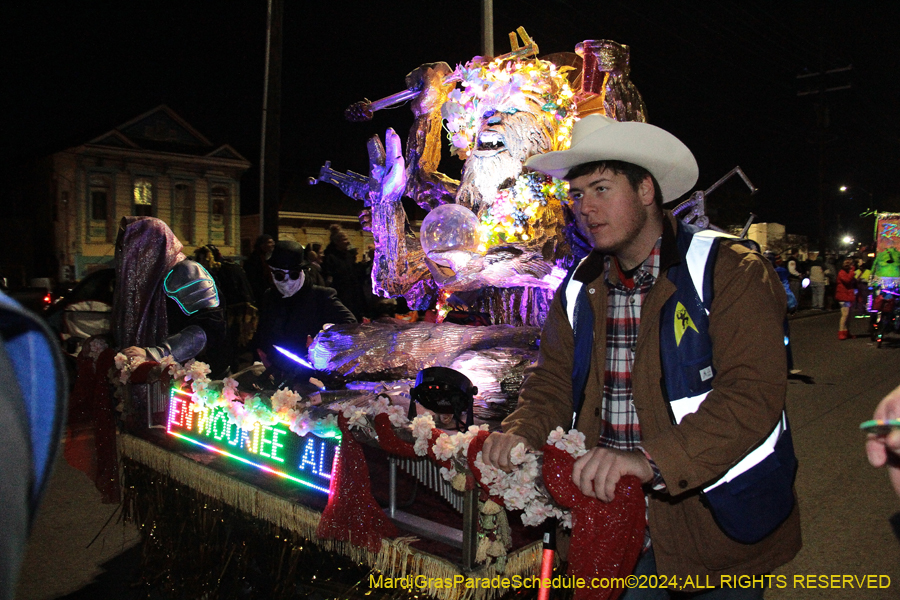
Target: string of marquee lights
(247,410)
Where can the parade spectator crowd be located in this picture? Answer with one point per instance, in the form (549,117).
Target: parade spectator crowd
(815,280)
(829,282)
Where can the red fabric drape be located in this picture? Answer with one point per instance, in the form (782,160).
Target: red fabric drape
(352,514)
(91,440)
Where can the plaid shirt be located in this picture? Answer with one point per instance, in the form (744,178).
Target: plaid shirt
(620,428)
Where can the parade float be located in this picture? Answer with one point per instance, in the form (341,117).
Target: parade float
(233,482)
(886,267)
(885,280)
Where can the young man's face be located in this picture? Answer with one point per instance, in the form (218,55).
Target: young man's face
(608,211)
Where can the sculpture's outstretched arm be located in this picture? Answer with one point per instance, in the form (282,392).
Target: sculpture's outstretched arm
(399,267)
(428,187)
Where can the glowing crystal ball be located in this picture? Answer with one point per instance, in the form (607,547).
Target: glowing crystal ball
(449,227)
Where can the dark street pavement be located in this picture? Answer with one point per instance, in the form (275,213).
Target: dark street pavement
(846,505)
(64,559)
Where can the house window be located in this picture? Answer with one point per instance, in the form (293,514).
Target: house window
(218,223)
(219,198)
(98,205)
(143,197)
(183,212)
(99,198)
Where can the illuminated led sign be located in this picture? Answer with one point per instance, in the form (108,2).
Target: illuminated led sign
(307,460)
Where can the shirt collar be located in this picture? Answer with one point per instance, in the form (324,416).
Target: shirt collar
(594,265)
(643,275)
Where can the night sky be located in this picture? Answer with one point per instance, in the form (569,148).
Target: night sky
(721,76)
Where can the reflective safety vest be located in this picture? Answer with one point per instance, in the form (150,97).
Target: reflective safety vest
(756,495)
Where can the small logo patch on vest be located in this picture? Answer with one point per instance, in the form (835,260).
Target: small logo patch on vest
(683,322)
(706,374)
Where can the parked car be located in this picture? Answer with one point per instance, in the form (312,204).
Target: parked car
(85,311)
(34,298)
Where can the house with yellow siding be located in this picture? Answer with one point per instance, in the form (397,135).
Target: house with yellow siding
(154,165)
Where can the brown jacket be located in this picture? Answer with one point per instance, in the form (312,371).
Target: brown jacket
(748,395)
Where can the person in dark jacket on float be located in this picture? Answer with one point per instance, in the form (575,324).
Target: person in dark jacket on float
(295,310)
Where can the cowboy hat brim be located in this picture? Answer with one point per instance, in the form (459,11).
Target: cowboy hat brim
(597,137)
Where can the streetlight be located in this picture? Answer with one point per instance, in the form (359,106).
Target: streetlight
(844,189)
(847,240)
(853,206)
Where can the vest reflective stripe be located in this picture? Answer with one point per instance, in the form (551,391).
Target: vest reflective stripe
(572,291)
(686,406)
(571,296)
(756,456)
(698,255)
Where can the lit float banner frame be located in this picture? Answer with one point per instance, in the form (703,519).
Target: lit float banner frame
(273,449)
(887,231)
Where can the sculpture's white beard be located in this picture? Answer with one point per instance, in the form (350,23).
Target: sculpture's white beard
(522,134)
(483,176)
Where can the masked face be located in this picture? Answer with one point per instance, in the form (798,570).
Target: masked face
(286,285)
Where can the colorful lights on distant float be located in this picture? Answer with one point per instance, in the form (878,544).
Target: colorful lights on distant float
(889,229)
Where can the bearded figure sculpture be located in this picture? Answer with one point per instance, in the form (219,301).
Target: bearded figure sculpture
(497,239)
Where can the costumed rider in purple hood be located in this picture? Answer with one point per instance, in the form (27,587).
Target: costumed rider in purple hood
(294,312)
(164,304)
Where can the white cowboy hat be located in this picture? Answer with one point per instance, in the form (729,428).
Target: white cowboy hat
(596,137)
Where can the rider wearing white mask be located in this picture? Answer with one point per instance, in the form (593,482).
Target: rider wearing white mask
(295,310)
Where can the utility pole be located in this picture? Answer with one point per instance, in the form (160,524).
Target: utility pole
(820,84)
(487,27)
(270,148)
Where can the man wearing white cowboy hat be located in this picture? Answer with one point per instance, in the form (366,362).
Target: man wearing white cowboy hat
(620,174)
